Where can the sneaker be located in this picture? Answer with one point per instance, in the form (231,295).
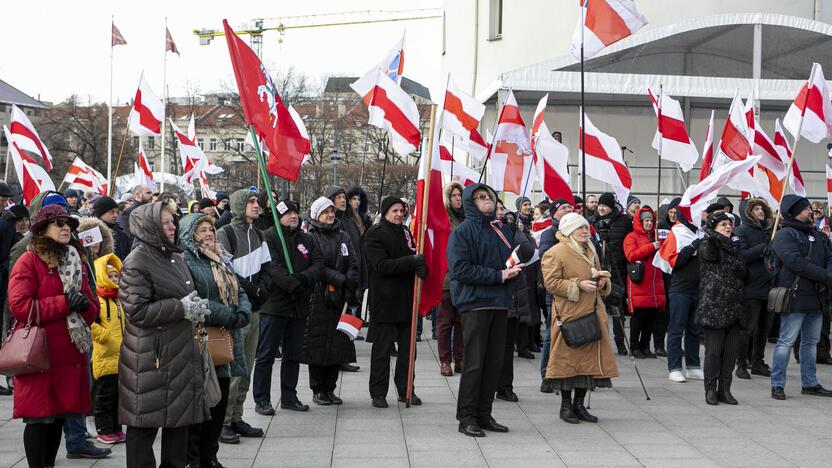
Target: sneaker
(107,439)
(677,376)
(89,450)
(244,429)
(695,374)
(122,437)
(265,408)
(228,436)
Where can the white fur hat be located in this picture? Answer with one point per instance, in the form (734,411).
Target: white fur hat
(570,222)
(319,206)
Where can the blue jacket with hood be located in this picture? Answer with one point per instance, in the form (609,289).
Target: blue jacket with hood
(476,258)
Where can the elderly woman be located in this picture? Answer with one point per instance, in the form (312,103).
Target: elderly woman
(161,382)
(53,280)
(325,348)
(572,274)
(721,304)
(215,281)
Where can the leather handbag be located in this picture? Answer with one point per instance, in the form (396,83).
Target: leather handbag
(636,272)
(581,331)
(25,348)
(780,298)
(213,392)
(220,345)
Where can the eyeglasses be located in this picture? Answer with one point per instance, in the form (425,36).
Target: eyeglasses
(61,222)
(482,196)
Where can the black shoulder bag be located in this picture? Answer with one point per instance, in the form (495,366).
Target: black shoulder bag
(780,298)
(581,331)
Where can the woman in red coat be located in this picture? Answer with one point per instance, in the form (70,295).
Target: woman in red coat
(645,299)
(53,276)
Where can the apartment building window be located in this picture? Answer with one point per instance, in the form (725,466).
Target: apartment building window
(151,142)
(227,144)
(135,142)
(495,20)
(212,144)
(201,143)
(241,145)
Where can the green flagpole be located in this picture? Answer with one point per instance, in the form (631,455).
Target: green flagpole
(268,186)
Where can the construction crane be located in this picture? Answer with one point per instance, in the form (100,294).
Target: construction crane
(258,26)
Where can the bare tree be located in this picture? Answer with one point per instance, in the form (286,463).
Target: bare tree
(72,129)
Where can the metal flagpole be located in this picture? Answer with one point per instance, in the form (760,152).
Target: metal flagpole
(493,134)
(659,120)
(110,112)
(164,104)
(583,119)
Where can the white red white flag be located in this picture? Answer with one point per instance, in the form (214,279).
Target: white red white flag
(604,161)
(677,239)
(671,138)
(147,111)
(511,154)
(393,63)
(829,185)
(191,154)
(781,143)
(551,157)
(604,22)
(813,106)
(762,145)
(390,108)
(142,173)
(24,134)
(697,196)
(83,177)
(33,178)
(350,324)
(455,170)
(205,188)
(461,115)
(170,46)
(708,151)
(116,37)
(736,134)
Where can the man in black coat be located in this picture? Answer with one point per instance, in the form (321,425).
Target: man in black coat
(806,265)
(392,263)
(753,236)
(477,253)
(283,316)
(106,209)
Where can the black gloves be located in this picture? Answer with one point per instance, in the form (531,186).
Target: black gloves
(239,320)
(350,285)
(299,293)
(421,269)
(77,301)
(301,279)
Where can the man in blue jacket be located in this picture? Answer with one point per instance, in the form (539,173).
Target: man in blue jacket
(806,261)
(477,252)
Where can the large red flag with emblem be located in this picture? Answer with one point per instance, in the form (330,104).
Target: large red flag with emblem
(263,108)
(437,229)
(511,154)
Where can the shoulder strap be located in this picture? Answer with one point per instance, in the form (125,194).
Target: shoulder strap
(501,236)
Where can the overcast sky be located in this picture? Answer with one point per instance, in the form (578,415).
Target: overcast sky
(53,49)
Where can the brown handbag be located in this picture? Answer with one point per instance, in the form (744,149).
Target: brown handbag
(24,348)
(220,345)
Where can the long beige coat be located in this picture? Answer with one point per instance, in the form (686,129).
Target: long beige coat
(563,267)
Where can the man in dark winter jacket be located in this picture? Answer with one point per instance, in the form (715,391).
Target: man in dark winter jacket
(613,224)
(250,258)
(106,209)
(392,263)
(141,195)
(806,265)
(477,254)
(224,213)
(448,320)
(753,237)
(283,315)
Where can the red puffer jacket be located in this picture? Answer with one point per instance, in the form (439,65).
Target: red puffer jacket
(638,247)
(65,388)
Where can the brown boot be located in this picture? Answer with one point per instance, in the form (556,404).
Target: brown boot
(445,369)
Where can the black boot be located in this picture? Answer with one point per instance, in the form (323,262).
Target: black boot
(742,371)
(725,396)
(711,397)
(567,413)
(580,409)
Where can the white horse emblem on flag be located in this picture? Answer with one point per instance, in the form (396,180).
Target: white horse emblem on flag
(268,91)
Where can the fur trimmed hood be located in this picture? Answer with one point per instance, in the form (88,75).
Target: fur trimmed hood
(106,234)
(747,217)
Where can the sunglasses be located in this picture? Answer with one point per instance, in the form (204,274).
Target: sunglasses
(60,222)
(482,196)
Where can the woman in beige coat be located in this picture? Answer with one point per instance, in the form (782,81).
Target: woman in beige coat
(572,274)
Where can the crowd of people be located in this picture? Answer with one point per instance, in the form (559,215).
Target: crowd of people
(163,315)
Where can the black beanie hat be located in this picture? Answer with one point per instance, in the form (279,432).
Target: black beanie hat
(388,202)
(800,205)
(607,199)
(285,207)
(714,207)
(102,205)
(718,217)
(205,203)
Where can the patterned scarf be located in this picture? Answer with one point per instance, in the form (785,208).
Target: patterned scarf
(223,276)
(70,271)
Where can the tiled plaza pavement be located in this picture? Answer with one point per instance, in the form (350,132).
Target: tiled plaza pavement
(675,428)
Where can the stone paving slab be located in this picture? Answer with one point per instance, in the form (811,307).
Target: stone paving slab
(675,428)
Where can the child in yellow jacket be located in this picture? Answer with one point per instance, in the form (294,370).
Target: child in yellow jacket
(107,335)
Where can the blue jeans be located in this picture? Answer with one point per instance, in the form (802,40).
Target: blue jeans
(808,325)
(75,432)
(547,339)
(681,322)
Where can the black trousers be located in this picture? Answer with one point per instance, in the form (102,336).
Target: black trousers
(660,328)
(507,371)
(384,335)
(105,404)
(323,378)
(522,337)
(721,345)
(286,333)
(642,324)
(483,348)
(618,333)
(755,326)
(204,438)
(140,447)
(41,442)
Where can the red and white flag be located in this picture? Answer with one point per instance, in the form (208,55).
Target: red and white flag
(147,112)
(461,115)
(697,197)
(264,109)
(390,108)
(170,46)
(393,63)
(33,178)
(455,170)
(677,239)
(813,107)
(23,133)
(350,324)
(550,156)
(604,161)
(205,188)
(142,174)
(829,185)
(81,176)
(762,145)
(671,138)
(737,137)
(511,154)
(604,22)
(191,154)
(781,143)
(437,229)
(116,37)
(708,151)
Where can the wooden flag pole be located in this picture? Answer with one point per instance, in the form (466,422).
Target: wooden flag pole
(659,178)
(794,152)
(420,249)
(120,154)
